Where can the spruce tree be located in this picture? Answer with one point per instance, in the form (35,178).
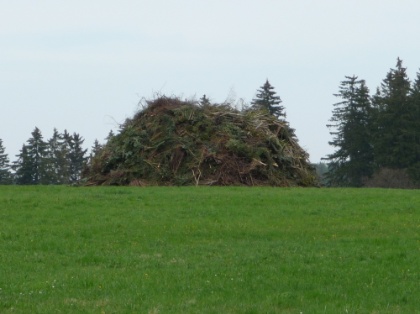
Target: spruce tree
(65,152)
(37,149)
(414,168)
(31,166)
(95,151)
(93,158)
(57,170)
(96,148)
(394,134)
(76,157)
(24,168)
(5,174)
(351,124)
(266,99)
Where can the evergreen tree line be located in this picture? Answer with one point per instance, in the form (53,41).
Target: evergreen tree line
(371,134)
(59,160)
(374,133)
(62,159)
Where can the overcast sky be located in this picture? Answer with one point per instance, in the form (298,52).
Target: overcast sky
(85,65)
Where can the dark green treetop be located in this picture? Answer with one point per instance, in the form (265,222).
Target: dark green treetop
(76,156)
(204,101)
(23,167)
(266,99)
(36,149)
(351,123)
(394,120)
(5,174)
(414,169)
(60,160)
(57,169)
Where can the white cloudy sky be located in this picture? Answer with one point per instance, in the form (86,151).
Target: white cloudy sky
(84,65)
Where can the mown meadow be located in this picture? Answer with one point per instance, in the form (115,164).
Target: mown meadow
(208,250)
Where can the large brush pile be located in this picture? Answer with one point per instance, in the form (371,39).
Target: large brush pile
(174,142)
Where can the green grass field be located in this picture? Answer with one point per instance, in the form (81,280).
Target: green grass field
(209,250)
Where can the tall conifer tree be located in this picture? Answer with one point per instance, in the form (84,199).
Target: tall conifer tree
(32,164)
(37,149)
(24,169)
(351,120)
(96,148)
(394,136)
(5,174)
(76,157)
(414,169)
(56,160)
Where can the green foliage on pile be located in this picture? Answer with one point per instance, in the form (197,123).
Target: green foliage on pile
(175,142)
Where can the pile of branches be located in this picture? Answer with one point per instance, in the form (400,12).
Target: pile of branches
(175,142)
